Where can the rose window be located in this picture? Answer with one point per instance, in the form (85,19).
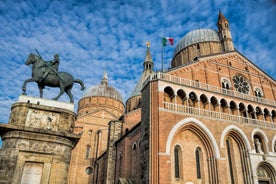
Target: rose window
(241,84)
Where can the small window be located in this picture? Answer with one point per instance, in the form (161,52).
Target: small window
(134,146)
(87,154)
(225,84)
(198,46)
(258,92)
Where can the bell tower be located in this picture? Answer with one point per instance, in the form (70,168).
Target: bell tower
(225,33)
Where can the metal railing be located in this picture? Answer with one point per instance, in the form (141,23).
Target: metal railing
(218,116)
(207,87)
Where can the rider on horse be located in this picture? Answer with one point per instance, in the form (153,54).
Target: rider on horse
(51,67)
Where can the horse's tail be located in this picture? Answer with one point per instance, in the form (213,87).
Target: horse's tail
(80,82)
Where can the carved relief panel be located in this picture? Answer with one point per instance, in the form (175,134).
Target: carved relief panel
(42,119)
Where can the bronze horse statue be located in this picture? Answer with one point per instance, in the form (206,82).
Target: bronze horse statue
(63,80)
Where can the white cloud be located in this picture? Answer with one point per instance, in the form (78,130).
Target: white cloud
(93,36)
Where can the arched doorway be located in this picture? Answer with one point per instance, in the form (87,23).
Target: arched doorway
(266,174)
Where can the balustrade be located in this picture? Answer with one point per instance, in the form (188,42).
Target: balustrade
(217,115)
(207,87)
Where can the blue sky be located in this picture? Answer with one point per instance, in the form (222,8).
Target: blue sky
(98,35)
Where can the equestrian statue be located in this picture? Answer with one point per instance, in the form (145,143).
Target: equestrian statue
(46,74)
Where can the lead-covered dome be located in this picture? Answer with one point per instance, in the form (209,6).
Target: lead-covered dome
(197,36)
(103,89)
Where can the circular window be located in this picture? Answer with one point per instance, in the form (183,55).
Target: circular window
(241,84)
(88,170)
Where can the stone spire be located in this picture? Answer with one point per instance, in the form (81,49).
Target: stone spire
(148,69)
(148,64)
(221,16)
(225,33)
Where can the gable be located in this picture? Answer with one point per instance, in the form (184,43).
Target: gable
(214,69)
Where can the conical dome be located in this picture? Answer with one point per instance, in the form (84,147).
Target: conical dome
(103,89)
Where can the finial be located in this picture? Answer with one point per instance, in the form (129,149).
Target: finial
(148,44)
(105,78)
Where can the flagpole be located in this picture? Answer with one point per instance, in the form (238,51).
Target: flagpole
(162,50)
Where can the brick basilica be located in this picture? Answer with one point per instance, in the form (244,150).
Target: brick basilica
(209,119)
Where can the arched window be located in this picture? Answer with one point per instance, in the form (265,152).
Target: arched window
(192,99)
(203,99)
(214,102)
(258,92)
(267,115)
(233,106)
(198,156)
(251,111)
(223,104)
(181,96)
(168,94)
(258,111)
(242,110)
(225,84)
(177,161)
(226,25)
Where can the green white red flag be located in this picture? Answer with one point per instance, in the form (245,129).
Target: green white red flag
(167,41)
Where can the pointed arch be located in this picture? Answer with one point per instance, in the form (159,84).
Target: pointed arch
(266,172)
(183,122)
(211,151)
(234,128)
(238,160)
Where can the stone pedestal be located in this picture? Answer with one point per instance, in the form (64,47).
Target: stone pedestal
(37,142)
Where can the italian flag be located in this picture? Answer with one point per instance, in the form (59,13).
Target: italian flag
(167,41)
